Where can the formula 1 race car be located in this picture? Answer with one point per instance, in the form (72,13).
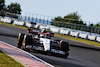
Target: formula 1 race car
(43,41)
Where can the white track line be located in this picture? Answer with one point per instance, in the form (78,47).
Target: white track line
(29,54)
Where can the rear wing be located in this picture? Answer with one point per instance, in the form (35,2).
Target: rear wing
(33,31)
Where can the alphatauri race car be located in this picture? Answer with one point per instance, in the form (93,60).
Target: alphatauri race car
(43,41)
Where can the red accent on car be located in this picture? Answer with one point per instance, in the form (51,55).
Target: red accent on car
(47,33)
(31,30)
(30,49)
(35,31)
(60,44)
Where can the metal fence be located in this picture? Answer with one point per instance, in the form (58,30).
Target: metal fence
(37,18)
(80,27)
(30,17)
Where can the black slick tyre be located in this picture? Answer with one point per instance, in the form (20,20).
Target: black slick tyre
(20,40)
(28,41)
(65,48)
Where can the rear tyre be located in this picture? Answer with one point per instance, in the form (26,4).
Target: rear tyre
(65,48)
(20,40)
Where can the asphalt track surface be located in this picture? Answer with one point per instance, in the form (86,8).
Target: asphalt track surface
(78,57)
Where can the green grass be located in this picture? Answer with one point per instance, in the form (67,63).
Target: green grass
(6,61)
(63,36)
(14,25)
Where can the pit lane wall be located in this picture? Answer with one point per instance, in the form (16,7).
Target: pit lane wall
(54,29)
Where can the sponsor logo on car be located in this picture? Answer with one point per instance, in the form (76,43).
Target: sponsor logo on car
(58,51)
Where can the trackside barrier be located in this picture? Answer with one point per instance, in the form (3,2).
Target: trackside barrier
(17,22)
(49,26)
(92,36)
(74,33)
(64,31)
(1,19)
(27,24)
(43,27)
(8,20)
(54,29)
(5,19)
(98,38)
(37,25)
(83,34)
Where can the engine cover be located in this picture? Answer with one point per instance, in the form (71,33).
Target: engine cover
(46,43)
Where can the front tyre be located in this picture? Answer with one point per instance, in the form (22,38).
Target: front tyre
(20,40)
(28,40)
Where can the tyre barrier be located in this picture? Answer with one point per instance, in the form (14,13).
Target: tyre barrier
(83,35)
(64,31)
